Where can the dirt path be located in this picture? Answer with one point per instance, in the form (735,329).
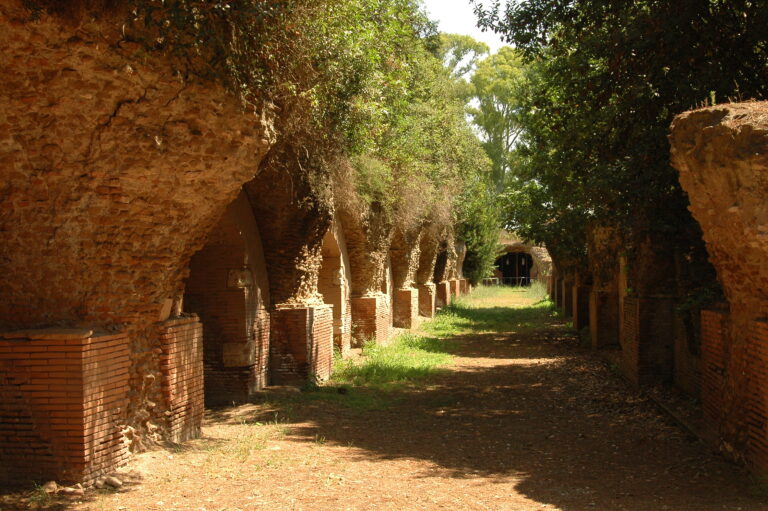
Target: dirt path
(521,421)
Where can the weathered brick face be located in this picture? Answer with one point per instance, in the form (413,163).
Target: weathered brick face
(334,285)
(301,344)
(227,288)
(62,405)
(406,308)
(427,297)
(604,318)
(687,376)
(648,339)
(371,319)
(567,301)
(443,294)
(181,362)
(455,287)
(112,173)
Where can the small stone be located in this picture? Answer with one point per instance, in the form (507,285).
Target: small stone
(113,481)
(69,490)
(50,487)
(99,484)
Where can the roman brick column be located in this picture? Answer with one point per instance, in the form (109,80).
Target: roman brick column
(293,212)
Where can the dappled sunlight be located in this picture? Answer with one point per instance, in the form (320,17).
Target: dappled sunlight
(516,420)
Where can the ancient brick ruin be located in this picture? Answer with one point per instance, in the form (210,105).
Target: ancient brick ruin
(716,354)
(722,156)
(163,250)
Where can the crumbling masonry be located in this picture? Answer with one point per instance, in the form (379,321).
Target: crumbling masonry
(161,248)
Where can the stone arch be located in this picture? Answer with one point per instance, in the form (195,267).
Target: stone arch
(291,201)
(541,260)
(368,231)
(515,268)
(228,289)
(116,191)
(334,285)
(405,254)
(445,270)
(429,245)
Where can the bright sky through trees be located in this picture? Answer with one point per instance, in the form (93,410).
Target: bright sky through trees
(456,17)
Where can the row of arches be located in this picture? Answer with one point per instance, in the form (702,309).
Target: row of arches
(249,341)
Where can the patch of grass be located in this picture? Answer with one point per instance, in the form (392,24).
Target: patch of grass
(409,358)
(502,309)
(39,496)
(374,381)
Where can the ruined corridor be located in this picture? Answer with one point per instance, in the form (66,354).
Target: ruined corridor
(521,418)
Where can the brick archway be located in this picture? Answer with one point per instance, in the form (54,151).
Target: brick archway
(228,289)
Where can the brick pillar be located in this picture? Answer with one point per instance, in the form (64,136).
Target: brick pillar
(648,339)
(567,301)
(406,308)
(181,363)
(604,318)
(62,400)
(464,286)
(581,307)
(756,398)
(301,346)
(427,295)
(455,286)
(713,347)
(443,298)
(370,319)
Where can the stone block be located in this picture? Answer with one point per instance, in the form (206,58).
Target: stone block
(65,432)
(301,344)
(406,308)
(443,296)
(371,319)
(427,297)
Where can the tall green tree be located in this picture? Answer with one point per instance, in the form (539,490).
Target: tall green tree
(495,112)
(603,82)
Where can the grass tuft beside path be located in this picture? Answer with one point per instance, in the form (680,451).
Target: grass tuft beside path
(413,358)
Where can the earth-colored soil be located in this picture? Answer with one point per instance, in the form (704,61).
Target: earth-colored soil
(522,420)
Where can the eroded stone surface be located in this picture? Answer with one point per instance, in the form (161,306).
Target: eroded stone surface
(722,156)
(112,172)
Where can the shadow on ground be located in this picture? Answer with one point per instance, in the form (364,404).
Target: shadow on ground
(534,407)
(527,407)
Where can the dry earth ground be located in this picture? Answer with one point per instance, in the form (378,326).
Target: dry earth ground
(522,419)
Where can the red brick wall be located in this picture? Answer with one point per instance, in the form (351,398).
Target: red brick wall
(443,296)
(371,319)
(181,363)
(406,308)
(648,339)
(757,368)
(713,326)
(63,396)
(604,318)
(427,295)
(734,387)
(455,288)
(301,344)
(227,290)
